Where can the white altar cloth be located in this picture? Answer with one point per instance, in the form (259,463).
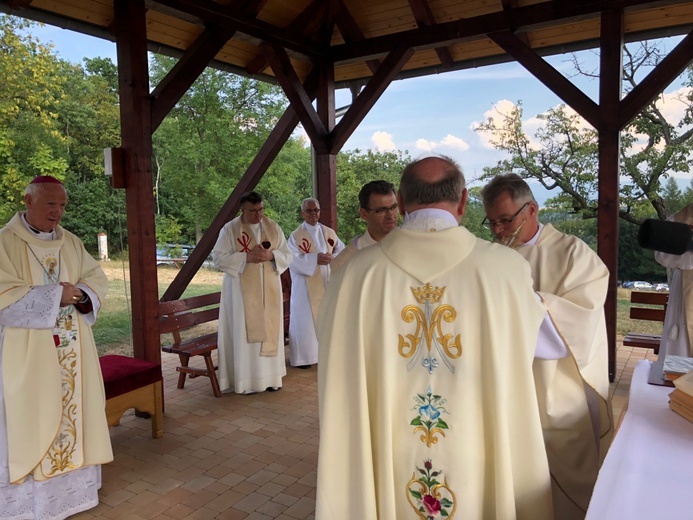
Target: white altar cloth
(647,471)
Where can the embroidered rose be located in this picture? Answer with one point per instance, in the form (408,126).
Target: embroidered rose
(266,244)
(331,242)
(431,504)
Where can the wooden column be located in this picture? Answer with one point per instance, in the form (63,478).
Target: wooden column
(326,162)
(611,70)
(136,139)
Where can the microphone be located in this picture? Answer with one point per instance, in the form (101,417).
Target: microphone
(674,238)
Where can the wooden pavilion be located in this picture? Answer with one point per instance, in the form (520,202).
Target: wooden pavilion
(313,47)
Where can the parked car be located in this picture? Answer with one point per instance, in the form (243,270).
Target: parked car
(661,287)
(642,286)
(176,255)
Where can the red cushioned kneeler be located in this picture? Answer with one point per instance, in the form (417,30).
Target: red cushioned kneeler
(132,383)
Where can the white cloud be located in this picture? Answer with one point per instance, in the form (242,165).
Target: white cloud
(449,141)
(426,146)
(456,143)
(383,141)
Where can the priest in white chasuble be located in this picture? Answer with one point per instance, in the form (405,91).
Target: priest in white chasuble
(314,246)
(252,253)
(53,428)
(573,382)
(426,396)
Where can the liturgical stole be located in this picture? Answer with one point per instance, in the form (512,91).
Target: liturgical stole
(260,292)
(314,282)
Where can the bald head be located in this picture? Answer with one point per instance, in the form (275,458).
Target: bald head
(433,182)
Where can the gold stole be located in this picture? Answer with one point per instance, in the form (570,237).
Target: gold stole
(259,299)
(66,452)
(314,282)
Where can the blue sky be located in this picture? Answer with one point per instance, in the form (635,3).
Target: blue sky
(421,115)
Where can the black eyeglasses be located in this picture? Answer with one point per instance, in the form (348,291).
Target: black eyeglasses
(490,224)
(316,210)
(385,209)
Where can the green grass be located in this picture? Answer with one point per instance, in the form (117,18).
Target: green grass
(113,329)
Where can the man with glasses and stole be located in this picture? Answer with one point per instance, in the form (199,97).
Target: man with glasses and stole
(378,202)
(53,429)
(314,247)
(426,397)
(571,372)
(252,253)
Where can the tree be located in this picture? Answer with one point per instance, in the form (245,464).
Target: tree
(30,140)
(354,169)
(672,196)
(563,152)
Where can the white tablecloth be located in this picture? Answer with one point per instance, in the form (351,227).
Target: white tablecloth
(647,473)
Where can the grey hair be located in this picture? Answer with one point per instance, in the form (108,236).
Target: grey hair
(306,201)
(416,190)
(33,189)
(510,183)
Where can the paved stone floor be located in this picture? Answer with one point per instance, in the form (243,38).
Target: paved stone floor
(247,457)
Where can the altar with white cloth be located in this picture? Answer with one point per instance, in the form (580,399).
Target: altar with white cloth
(647,471)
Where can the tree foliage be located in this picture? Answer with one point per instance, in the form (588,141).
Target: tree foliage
(562,153)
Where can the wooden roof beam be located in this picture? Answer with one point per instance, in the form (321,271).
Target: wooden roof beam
(184,73)
(298,97)
(351,32)
(264,158)
(368,97)
(523,18)
(549,76)
(301,27)
(212,12)
(657,80)
(424,17)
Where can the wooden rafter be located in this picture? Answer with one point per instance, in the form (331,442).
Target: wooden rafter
(424,18)
(351,32)
(301,27)
(523,18)
(368,96)
(209,11)
(179,79)
(549,76)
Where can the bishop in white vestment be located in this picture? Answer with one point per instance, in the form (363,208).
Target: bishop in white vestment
(53,429)
(252,253)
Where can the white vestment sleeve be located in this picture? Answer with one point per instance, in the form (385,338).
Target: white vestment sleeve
(684,261)
(38,309)
(226,258)
(282,255)
(303,263)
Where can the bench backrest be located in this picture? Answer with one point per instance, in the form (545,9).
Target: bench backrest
(648,298)
(177,315)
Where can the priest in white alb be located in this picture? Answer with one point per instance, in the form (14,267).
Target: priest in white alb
(572,381)
(252,253)
(426,396)
(678,321)
(314,246)
(53,429)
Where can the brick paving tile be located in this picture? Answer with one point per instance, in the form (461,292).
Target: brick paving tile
(199,499)
(271,489)
(245,487)
(226,500)
(251,502)
(302,508)
(297,490)
(272,509)
(232,514)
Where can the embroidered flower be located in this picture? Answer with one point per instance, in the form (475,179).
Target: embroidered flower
(429,411)
(429,407)
(331,242)
(431,504)
(266,244)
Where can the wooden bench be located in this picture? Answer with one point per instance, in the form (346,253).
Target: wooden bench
(179,315)
(655,311)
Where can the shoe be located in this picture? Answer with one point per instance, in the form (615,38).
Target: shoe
(272,389)
(304,367)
